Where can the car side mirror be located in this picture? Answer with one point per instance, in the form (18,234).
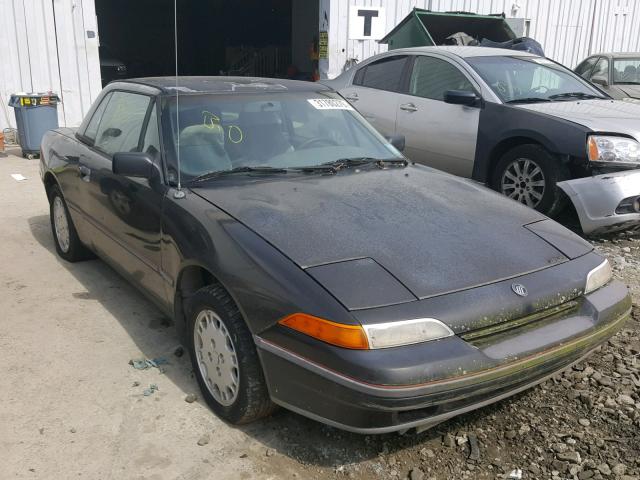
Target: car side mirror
(398,141)
(600,80)
(461,97)
(132,164)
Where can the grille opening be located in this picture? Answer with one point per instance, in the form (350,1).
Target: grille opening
(493,333)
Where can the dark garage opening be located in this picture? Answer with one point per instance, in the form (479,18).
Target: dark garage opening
(268,38)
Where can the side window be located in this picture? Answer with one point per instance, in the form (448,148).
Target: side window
(385,74)
(584,69)
(602,69)
(151,143)
(432,77)
(92,128)
(121,124)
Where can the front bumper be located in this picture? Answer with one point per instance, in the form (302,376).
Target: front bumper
(597,198)
(348,403)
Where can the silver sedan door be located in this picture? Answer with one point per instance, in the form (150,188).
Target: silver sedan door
(373,91)
(438,134)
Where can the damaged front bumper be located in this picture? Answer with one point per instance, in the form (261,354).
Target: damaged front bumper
(605,203)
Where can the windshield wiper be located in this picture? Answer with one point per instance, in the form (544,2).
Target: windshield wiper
(574,95)
(220,173)
(357,161)
(528,100)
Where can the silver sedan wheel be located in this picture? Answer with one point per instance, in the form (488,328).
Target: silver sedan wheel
(61,224)
(523,181)
(216,356)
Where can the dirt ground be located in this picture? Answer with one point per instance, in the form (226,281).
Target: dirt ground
(71,405)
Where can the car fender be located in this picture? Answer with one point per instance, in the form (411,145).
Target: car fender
(263,282)
(499,124)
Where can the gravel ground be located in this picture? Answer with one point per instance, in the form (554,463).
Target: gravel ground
(72,406)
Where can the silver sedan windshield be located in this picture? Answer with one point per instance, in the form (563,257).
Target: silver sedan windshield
(529,79)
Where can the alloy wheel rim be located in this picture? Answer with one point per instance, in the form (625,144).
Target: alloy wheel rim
(60,224)
(216,357)
(523,181)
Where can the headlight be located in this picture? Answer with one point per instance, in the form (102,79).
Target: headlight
(598,277)
(613,150)
(406,332)
(367,337)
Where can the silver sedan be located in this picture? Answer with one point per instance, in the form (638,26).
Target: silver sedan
(522,124)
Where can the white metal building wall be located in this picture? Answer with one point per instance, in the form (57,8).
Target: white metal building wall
(48,44)
(569,30)
(45,45)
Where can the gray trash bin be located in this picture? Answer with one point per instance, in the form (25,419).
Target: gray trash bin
(35,114)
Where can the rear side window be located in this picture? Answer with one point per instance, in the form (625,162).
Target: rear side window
(121,124)
(385,74)
(584,69)
(432,77)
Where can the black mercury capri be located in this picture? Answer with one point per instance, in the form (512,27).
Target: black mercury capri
(307,264)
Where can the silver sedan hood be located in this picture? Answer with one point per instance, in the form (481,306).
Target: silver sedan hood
(614,116)
(632,91)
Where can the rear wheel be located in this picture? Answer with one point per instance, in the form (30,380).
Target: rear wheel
(225,359)
(65,236)
(529,174)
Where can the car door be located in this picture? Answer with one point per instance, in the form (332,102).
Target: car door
(438,134)
(374,91)
(126,212)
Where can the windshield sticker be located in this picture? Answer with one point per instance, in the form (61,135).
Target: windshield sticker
(329,104)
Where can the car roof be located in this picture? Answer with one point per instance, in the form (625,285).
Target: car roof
(193,85)
(464,52)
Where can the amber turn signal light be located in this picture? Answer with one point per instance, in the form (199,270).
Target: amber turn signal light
(594,153)
(339,334)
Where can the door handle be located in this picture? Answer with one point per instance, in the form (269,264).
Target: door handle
(85,172)
(352,98)
(408,107)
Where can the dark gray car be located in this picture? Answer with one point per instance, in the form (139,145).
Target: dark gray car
(618,74)
(307,264)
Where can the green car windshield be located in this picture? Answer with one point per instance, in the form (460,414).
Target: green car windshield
(517,79)
(219,133)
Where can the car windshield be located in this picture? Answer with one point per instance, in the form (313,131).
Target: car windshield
(626,71)
(280,131)
(516,79)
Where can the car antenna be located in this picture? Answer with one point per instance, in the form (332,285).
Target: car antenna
(179,193)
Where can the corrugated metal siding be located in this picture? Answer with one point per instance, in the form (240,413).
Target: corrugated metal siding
(563,27)
(44,46)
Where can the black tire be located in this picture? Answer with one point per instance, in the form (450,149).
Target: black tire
(552,200)
(252,401)
(74,251)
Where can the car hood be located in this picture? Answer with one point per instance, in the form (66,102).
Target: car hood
(612,116)
(633,91)
(397,235)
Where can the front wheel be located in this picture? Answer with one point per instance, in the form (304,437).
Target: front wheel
(65,236)
(225,359)
(529,175)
